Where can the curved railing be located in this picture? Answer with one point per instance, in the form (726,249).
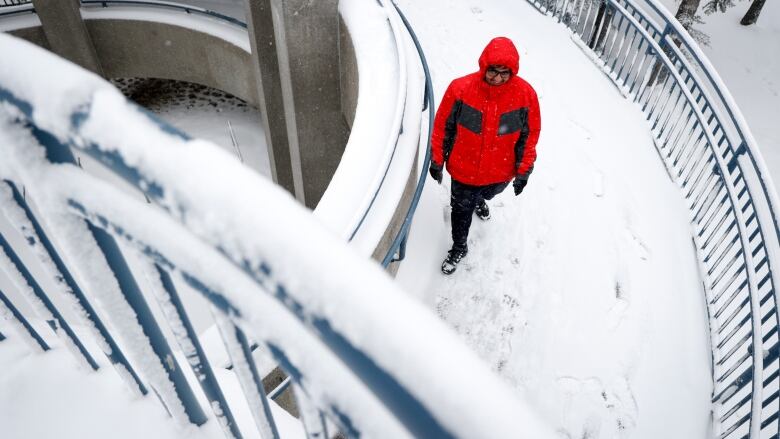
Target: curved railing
(16,7)
(397,250)
(709,152)
(327,315)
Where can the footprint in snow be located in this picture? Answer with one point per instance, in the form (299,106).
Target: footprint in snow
(592,428)
(598,184)
(510,301)
(641,248)
(443,306)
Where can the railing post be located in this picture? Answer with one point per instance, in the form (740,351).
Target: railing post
(659,64)
(251,382)
(24,280)
(313,420)
(151,329)
(34,339)
(188,341)
(62,274)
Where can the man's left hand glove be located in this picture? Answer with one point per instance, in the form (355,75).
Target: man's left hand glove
(519,184)
(436,171)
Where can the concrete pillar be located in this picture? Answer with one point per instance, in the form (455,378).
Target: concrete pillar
(285,171)
(305,41)
(66,33)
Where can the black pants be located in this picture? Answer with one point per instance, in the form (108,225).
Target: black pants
(464,199)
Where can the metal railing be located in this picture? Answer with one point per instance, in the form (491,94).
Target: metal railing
(10,8)
(709,152)
(14,2)
(397,250)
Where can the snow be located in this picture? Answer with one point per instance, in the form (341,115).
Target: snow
(582,293)
(77,404)
(62,394)
(205,123)
(380,49)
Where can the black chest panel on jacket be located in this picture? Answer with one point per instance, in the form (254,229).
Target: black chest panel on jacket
(512,121)
(470,118)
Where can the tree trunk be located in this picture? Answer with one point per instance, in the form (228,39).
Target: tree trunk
(752,14)
(686,12)
(684,15)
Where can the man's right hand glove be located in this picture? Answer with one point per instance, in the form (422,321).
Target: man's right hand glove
(519,184)
(436,172)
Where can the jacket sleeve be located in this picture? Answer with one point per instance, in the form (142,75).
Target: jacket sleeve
(534,125)
(443,125)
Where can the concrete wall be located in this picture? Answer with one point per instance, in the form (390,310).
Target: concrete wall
(145,49)
(348,74)
(397,221)
(34,35)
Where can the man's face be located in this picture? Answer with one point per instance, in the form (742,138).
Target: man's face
(497,75)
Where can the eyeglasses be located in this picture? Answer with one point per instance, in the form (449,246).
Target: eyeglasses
(492,72)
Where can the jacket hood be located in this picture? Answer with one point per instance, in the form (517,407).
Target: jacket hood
(500,51)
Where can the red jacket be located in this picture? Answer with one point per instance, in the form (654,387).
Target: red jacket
(485,133)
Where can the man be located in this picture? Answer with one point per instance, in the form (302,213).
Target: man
(485,130)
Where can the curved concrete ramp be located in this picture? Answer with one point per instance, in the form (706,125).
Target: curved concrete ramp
(583,293)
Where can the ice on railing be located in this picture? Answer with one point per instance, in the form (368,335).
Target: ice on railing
(78,245)
(18,281)
(16,216)
(19,329)
(317,304)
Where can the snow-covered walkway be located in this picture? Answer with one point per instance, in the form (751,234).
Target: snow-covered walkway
(583,292)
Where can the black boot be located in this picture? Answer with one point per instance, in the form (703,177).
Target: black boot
(451,261)
(482,211)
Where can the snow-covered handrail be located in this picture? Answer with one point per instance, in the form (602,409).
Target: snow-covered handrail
(709,152)
(326,314)
(397,249)
(369,183)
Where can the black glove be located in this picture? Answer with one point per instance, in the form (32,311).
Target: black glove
(519,184)
(435,171)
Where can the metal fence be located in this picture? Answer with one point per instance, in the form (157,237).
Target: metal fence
(709,152)
(14,2)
